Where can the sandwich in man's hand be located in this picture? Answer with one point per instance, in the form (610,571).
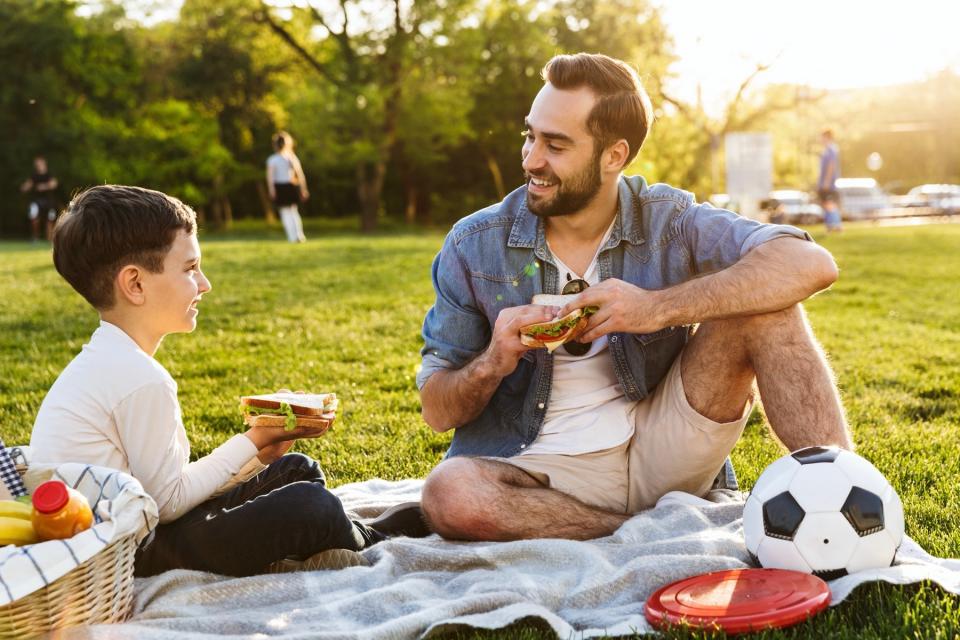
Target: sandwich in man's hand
(315,411)
(559,330)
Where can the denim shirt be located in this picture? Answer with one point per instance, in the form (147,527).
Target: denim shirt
(498,258)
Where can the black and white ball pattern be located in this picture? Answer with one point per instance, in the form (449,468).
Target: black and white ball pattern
(825,511)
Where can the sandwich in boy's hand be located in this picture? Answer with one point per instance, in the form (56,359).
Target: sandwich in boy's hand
(290,410)
(559,330)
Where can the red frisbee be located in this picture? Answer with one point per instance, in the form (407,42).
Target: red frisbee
(739,600)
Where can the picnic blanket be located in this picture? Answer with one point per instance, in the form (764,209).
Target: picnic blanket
(422,587)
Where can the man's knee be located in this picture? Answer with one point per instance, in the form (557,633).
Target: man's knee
(749,325)
(451,496)
(757,331)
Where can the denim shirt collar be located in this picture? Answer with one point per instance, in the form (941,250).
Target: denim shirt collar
(527,231)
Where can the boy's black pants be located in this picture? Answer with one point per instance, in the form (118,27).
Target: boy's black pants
(284,511)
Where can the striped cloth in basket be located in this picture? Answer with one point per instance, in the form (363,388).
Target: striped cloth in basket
(120,505)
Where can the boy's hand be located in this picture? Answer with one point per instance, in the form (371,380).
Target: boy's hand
(263,437)
(273,452)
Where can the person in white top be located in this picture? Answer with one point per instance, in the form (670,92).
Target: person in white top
(133,254)
(287,185)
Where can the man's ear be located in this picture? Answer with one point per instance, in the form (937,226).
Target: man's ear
(129,284)
(615,156)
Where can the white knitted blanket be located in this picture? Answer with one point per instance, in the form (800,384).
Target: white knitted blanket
(419,587)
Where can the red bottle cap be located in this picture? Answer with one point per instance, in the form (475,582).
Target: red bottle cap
(50,497)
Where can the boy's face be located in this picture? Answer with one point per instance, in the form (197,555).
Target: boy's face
(172,296)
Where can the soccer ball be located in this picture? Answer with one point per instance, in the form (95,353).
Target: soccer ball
(825,511)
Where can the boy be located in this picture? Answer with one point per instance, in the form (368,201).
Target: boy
(244,508)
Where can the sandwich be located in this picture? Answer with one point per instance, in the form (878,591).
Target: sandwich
(559,330)
(290,410)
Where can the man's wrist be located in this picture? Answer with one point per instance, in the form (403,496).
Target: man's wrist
(488,366)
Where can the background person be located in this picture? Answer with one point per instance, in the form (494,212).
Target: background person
(696,305)
(287,185)
(827,181)
(43,204)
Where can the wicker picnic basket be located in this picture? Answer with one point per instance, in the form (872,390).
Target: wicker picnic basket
(98,591)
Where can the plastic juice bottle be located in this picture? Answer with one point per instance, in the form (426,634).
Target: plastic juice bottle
(59,511)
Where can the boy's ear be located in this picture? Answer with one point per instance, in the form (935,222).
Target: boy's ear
(129,284)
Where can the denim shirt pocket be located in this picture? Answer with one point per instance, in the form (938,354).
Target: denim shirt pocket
(660,349)
(495,292)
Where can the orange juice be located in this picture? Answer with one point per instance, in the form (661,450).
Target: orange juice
(59,511)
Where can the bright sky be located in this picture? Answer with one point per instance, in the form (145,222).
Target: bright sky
(824,43)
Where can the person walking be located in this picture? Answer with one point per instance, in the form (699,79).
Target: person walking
(43,206)
(827,182)
(287,185)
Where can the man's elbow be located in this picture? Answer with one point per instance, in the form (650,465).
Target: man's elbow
(430,412)
(433,420)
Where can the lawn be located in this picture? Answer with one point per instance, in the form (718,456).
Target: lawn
(343,312)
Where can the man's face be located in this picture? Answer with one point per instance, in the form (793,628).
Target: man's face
(560,161)
(40,165)
(173,295)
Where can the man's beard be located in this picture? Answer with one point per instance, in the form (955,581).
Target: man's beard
(571,196)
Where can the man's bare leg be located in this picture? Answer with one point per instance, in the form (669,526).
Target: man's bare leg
(482,499)
(797,387)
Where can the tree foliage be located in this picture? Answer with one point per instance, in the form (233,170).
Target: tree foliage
(404,109)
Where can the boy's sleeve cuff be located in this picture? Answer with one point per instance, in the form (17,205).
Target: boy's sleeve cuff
(236,452)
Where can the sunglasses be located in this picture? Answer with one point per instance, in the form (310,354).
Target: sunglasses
(573,287)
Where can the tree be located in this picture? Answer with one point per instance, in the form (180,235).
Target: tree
(367,64)
(698,136)
(227,66)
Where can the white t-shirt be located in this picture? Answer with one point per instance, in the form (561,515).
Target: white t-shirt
(281,168)
(115,406)
(587,410)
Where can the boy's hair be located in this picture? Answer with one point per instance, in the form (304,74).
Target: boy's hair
(623,107)
(110,226)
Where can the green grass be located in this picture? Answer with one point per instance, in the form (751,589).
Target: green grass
(343,313)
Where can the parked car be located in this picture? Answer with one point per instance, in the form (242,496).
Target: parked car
(789,206)
(944,197)
(861,198)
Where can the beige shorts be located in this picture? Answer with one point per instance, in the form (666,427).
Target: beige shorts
(673,448)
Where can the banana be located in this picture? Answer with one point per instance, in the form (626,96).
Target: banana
(15,509)
(16,531)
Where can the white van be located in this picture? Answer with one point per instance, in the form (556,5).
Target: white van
(861,198)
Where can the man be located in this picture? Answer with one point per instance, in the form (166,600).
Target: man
(827,182)
(568,445)
(43,206)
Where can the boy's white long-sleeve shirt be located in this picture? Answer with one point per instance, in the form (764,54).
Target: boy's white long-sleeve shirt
(115,406)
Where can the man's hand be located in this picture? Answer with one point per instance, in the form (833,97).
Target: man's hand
(621,307)
(453,397)
(505,348)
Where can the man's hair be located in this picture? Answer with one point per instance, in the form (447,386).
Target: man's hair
(107,227)
(827,133)
(623,107)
